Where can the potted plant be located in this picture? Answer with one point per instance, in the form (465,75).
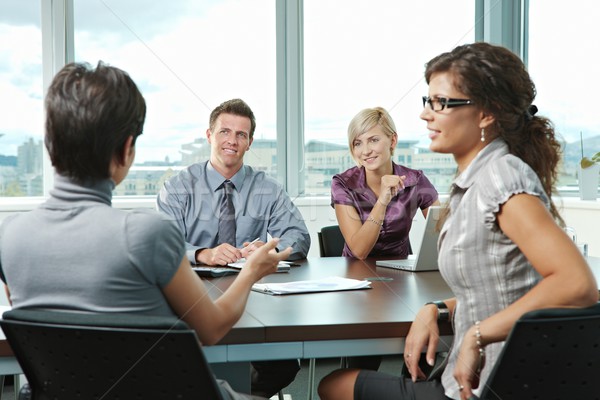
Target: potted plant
(589,168)
(589,162)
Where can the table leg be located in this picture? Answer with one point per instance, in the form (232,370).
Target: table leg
(311,377)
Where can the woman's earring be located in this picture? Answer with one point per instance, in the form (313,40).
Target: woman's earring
(482,134)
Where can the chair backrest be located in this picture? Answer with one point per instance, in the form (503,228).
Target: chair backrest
(549,354)
(72,355)
(331,241)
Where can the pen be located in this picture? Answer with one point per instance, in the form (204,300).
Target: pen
(249,244)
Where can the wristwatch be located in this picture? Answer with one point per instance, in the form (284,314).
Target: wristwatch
(443,310)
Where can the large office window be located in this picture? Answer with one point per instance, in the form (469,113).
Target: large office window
(187,57)
(21,106)
(561,64)
(372,53)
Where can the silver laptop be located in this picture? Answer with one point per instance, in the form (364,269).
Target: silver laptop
(426,259)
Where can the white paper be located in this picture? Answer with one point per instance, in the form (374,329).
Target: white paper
(330,284)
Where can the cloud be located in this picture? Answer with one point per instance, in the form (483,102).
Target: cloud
(360,56)
(21,106)
(192,55)
(20,13)
(187,66)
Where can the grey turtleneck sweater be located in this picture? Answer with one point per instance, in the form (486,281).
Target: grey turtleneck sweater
(77,252)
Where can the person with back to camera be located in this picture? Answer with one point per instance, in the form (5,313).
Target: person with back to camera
(491,253)
(96,258)
(192,199)
(375,202)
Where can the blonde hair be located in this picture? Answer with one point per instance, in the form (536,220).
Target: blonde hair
(366,120)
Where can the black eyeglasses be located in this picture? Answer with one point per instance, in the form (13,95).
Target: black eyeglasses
(439,103)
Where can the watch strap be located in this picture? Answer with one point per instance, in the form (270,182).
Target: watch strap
(443,310)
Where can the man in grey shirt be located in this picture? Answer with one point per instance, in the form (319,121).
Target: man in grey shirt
(193,199)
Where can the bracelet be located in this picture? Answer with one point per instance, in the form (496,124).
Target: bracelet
(373,220)
(443,310)
(479,343)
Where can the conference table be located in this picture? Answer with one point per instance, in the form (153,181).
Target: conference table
(327,324)
(319,325)
(371,321)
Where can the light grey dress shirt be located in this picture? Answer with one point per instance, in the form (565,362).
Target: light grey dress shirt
(193,196)
(486,271)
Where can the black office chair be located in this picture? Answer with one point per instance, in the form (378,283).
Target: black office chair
(549,354)
(72,355)
(331,241)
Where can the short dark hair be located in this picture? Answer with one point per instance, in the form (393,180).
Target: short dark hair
(90,114)
(236,107)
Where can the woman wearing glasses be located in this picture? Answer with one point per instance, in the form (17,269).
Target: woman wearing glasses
(491,252)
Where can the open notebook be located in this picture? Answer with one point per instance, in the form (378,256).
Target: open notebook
(426,258)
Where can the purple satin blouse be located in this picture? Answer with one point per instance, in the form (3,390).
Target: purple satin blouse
(350,188)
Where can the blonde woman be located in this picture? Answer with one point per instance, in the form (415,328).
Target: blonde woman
(375,202)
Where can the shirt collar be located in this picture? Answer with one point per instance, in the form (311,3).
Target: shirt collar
(496,149)
(215,179)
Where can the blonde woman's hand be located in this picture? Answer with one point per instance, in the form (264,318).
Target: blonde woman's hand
(390,186)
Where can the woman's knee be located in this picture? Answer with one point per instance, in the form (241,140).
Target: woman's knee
(338,385)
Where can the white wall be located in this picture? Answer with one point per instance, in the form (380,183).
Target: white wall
(583,216)
(316,212)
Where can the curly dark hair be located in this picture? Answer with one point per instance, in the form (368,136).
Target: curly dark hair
(90,114)
(497,81)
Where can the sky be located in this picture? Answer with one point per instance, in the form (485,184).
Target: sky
(192,55)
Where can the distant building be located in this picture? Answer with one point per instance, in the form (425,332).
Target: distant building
(29,168)
(22,175)
(439,168)
(322,161)
(146,179)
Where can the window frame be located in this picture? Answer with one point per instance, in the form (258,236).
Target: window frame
(501,22)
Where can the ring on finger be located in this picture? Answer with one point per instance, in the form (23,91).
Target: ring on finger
(461,388)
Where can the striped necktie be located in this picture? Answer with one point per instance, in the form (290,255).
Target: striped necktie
(227,215)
